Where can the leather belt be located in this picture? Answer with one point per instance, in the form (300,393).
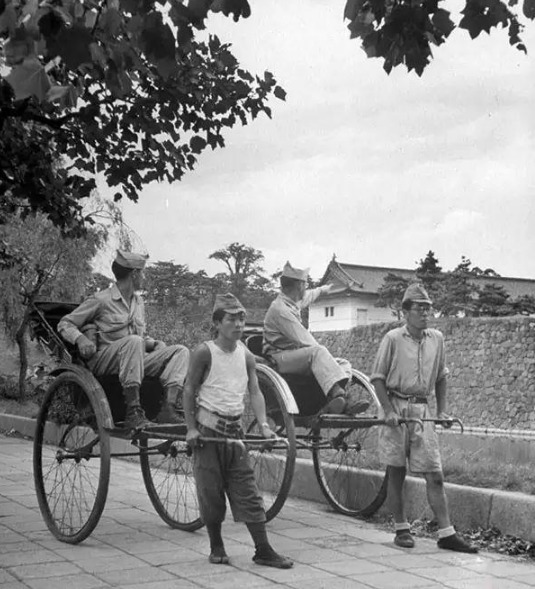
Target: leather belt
(416,399)
(226,425)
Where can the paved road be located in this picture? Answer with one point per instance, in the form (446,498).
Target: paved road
(132,548)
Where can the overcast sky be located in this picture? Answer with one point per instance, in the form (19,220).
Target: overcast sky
(377,169)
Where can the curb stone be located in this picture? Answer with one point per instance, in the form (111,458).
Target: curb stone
(470,507)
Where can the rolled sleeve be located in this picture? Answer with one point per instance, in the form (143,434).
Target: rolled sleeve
(69,325)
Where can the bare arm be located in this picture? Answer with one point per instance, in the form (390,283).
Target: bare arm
(391,417)
(440,393)
(257,398)
(198,364)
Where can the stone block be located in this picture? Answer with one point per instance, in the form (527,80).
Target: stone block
(513,513)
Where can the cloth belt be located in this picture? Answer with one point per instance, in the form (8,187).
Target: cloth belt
(416,399)
(226,425)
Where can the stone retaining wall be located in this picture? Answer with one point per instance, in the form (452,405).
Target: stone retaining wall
(491,362)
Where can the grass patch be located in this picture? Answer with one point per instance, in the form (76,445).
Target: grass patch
(482,469)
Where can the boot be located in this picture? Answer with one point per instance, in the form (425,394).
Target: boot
(169,410)
(135,416)
(354,404)
(336,402)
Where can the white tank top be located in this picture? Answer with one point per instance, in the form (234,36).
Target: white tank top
(224,389)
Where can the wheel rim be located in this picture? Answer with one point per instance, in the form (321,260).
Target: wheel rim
(170,483)
(273,465)
(71,462)
(341,455)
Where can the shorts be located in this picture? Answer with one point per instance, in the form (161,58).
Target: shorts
(409,442)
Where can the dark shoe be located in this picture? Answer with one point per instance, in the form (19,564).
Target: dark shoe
(218,556)
(272,559)
(404,539)
(456,543)
(136,418)
(355,407)
(168,415)
(335,406)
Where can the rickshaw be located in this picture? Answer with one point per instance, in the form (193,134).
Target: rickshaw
(80,427)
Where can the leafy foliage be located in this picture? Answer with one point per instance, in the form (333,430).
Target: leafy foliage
(457,292)
(391,293)
(524,305)
(48,266)
(118,87)
(404,31)
(244,272)
(493,300)
(174,285)
(430,274)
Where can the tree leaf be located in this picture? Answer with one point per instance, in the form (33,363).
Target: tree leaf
(29,79)
(8,20)
(157,39)
(65,95)
(351,9)
(111,22)
(279,92)
(73,46)
(528,8)
(442,21)
(199,8)
(197,144)
(18,48)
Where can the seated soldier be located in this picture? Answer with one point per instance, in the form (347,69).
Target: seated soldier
(294,350)
(121,346)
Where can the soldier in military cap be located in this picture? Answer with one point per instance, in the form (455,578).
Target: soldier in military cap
(294,350)
(109,331)
(409,367)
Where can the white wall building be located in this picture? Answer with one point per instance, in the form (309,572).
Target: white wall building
(352,302)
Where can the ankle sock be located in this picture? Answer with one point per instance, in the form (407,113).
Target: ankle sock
(402,527)
(445,532)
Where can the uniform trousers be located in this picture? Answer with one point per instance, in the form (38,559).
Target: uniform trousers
(315,360)
(127,358)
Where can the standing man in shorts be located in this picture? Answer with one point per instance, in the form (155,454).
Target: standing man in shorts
(408,369)
(221,372)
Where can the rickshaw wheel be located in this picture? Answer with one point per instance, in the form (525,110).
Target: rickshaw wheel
(341,454)
(168,475)
(273,466)
(71,458)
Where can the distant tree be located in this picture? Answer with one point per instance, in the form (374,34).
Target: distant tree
(98,282)
(173,285)
(165,283)
(48,266)
(493,301)
(391,293)
(430,274)
(244,271)
(524,305)
(459,295)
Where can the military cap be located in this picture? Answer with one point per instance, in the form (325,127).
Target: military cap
(228,303)
(416,293)
(296,273)
(131,260)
